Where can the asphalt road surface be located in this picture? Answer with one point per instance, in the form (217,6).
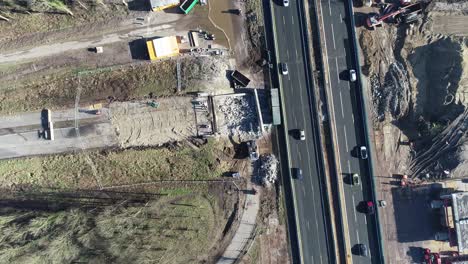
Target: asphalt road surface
(21,134)
(313,227)
(347,125)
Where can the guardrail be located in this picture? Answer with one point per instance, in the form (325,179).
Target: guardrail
(365,127)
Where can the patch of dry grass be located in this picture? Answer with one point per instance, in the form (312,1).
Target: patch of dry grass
(169,230)
(92,169)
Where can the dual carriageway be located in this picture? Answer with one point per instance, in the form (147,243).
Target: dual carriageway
(312,213)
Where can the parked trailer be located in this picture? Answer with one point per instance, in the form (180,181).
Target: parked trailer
(275,106)
(241,79)
(188,5)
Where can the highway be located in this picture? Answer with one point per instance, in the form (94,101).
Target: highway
(348,126)
(298,108)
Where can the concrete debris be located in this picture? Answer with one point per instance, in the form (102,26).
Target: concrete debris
(268,169)
(240,118)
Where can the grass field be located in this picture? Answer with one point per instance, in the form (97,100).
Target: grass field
(92,169)
(179,229)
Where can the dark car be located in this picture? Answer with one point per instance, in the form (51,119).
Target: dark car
(362,250)
(370,207)
(297,173)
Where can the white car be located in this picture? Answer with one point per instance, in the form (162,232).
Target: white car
(285,2)
(301,135)
(363,152)
(352,75)
(284,69)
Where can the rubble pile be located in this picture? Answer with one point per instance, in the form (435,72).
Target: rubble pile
(268,169)
(240,117)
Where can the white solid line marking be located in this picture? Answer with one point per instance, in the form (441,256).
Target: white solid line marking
(284,21)
(357,234)
(346,138)
(308,225)
(354,210)
(296,54)
(321,260)
(349,168)
(352,116)
(365,220)
(329,6)
(333,36)
(337,70)
(341,19)
(292,20)
(300,159)
(341,102)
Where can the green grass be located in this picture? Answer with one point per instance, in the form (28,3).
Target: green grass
(88,169)
(281,208)
(254,251)
(169,230)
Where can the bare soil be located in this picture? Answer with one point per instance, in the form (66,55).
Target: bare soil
(417,81)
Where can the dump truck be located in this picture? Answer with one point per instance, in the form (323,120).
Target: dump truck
(240,79)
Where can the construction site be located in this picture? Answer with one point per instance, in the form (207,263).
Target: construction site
(136,132)
(414,58)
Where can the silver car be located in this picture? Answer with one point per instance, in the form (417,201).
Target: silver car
(285,2)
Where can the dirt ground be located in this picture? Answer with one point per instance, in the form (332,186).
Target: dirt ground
(45,63)
(271,242)
(138,124)
(416,83)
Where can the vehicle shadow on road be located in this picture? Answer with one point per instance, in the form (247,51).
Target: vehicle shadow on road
(138,49)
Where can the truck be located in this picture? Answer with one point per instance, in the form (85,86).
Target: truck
(240,79)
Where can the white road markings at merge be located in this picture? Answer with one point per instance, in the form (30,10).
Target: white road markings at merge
(333,36)
(346,138)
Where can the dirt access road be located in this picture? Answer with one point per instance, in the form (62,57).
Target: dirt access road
(153,24)
(120,124)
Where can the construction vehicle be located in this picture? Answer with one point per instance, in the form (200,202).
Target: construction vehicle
(401,14)
(188,5)
(431,258)
(240,78)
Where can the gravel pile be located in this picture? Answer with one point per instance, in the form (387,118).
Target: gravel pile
(268,169)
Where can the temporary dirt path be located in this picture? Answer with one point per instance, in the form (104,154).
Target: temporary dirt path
(245,230)
(163,25)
